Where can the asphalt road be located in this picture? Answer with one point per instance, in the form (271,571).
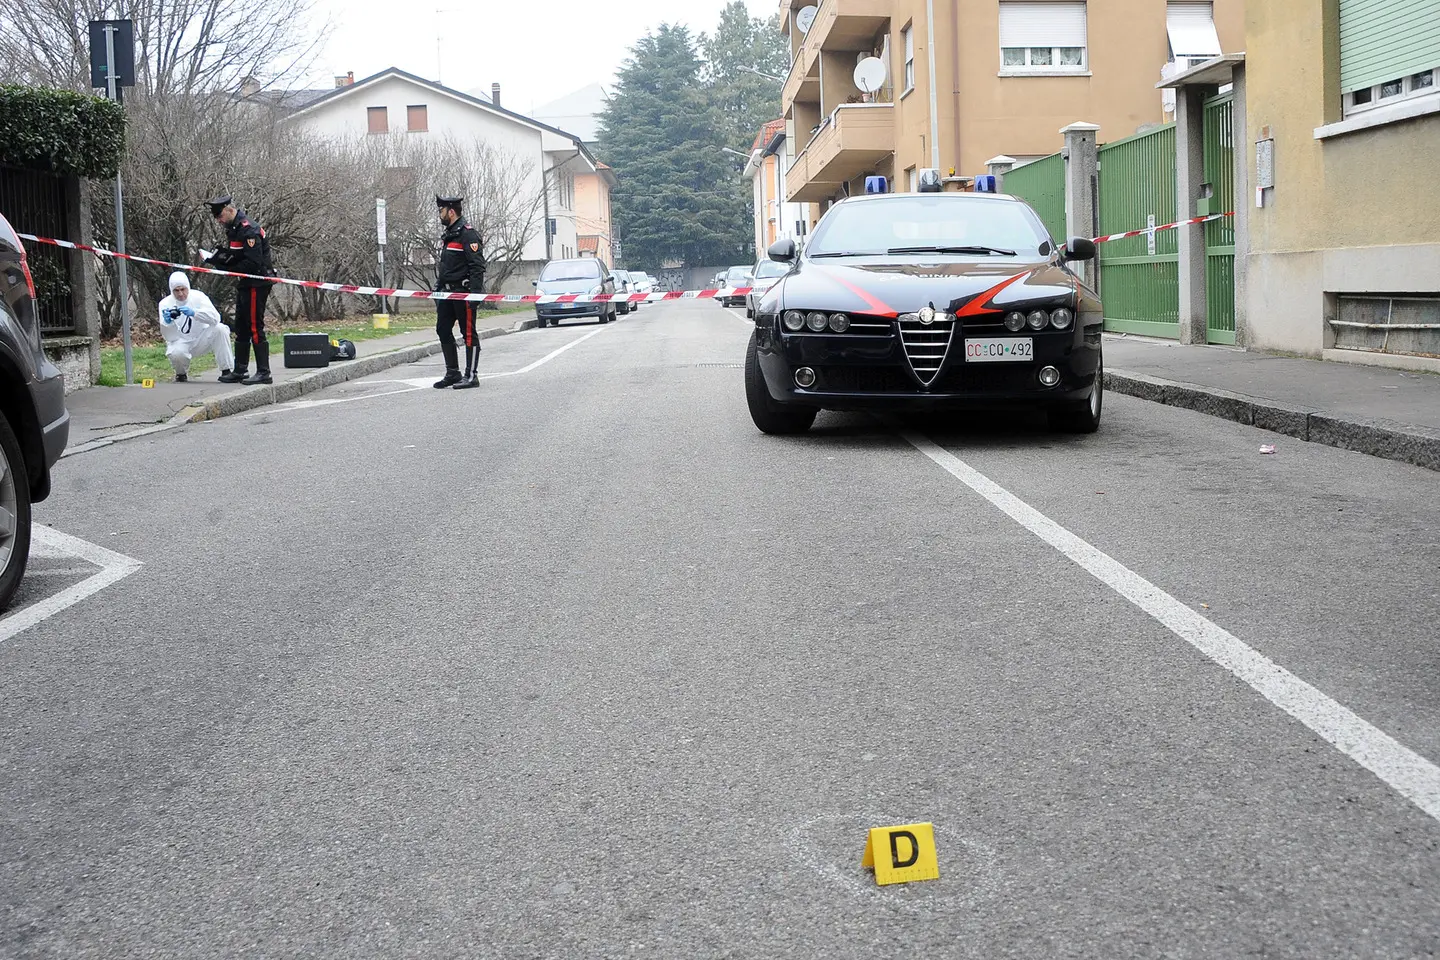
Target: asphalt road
(580,664)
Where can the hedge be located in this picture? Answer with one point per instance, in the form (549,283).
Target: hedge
(58,131)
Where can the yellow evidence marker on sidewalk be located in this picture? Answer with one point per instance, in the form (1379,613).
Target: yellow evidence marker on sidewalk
(147,383)
(902,854)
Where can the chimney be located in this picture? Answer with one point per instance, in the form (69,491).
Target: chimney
(495,94)
(346,80)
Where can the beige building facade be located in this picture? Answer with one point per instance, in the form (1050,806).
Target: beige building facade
(1007,75)
(594,228)
(1343,131)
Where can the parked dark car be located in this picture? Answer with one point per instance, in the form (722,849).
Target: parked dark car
(585,275)
(944,301)
(35,426)
(732,278)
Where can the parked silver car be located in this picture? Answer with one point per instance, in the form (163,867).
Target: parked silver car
(765,275)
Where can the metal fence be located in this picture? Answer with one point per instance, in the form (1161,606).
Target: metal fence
(1042,185)
(1140,277)
(36,203)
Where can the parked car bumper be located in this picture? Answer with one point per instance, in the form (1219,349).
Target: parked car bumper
(871,373)
(567,311)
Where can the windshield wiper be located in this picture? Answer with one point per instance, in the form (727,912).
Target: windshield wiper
(840,253)
(973,249)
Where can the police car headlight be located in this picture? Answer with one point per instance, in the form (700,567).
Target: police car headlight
(839,323)
(1014,321)
(794,320)
(817,321)
(1061,319)
(1038,319)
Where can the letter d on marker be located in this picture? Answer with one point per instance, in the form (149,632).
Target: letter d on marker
(912,853)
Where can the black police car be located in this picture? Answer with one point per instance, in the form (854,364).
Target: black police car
(35,425)
(927,301)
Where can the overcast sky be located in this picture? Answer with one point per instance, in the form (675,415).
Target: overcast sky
(537,50)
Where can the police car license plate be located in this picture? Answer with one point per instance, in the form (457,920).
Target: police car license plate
(999,350)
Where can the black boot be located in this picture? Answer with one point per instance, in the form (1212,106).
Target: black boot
(232,376)
(262,363)
(472,360)
(452,365)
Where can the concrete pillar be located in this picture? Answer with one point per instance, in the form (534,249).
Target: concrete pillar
(997,167)
(83,296)
(1189,176)
(1082,168)
(1244,202)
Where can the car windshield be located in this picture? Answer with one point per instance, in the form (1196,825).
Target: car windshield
(769,269)
(875,228)
(737,273)
(571,270)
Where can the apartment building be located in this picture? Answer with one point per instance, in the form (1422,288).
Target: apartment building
(968,80)
(775,218)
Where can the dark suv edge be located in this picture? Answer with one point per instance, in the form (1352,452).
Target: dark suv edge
(35,425)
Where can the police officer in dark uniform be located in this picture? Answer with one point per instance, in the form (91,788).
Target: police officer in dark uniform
(461,270)
(247,250)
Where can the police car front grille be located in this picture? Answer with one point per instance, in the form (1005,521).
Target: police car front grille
(926,345)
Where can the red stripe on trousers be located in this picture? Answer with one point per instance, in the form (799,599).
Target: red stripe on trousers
(469,324)
(254,320)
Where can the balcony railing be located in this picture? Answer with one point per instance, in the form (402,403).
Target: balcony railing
(854,139)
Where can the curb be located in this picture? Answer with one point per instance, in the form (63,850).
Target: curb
(1377,438)
(266,394)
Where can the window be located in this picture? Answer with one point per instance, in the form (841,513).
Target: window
(378,119)
(1191,28)
(1042,37)
(1389,52)
(416,118)
(908,35)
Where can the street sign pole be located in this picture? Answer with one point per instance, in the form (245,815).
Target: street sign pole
(113,89)
(380,235)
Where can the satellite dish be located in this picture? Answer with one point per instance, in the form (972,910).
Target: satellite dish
(804,17)
(870,74)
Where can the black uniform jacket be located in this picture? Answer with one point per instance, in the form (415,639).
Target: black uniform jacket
(247,250)
(462,265)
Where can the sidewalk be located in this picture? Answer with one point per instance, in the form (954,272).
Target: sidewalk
(1382,412)
(101,415)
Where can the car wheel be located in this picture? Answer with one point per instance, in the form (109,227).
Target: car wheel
(14,515)
(1082,417)
(781,419)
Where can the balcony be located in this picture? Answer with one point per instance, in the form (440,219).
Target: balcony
(854,140)
(840,25)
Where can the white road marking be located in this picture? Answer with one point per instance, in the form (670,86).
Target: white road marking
(1408,773)
(738,314)
(412,384)
(114,567)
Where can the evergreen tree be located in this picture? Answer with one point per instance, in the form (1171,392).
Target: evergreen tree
(741,48)
(677,195)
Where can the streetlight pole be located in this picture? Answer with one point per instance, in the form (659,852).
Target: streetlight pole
(112,87)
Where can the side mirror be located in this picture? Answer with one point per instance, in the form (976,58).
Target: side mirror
(1079,248)
(782,251)
(534,283)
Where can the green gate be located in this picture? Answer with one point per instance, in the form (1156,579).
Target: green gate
(1140,277)
(1220,234)
(1042,185)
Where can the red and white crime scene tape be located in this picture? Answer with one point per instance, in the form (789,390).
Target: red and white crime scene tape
(513,298)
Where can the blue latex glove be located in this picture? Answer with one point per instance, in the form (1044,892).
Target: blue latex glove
(188,311)
(170,315)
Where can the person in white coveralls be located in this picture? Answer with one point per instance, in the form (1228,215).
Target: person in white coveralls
(191,327)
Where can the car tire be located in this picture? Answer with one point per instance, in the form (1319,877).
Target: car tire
(772,417)
(1082,417)
(15,501)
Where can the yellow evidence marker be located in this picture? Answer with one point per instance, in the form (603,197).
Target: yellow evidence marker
(902,854)
(380,320)
(147,383)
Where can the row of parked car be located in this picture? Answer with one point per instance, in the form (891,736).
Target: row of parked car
(759,278)
(588,276)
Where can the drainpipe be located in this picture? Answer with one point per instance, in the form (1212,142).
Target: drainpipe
(955,75)
(934,101)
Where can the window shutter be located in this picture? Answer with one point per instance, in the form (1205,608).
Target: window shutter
(417,118)
(1027,23)
(1384,39)
(378,119)
(1191,27)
